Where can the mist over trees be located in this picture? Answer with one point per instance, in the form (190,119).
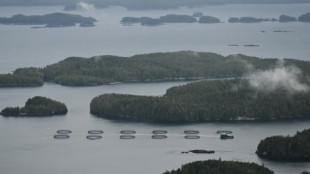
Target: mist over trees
(169,66)
(208,100)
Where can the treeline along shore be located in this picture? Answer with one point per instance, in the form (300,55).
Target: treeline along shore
(286,148)
(153,67)
(207,100)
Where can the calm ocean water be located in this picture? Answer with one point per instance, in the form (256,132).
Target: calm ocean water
(22,46)
(27,144)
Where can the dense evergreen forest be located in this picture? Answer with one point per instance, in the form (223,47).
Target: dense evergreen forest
(50,20)
(37,106)
(24,77)
(286,148)
(145,4)
(169,66)
(221,167)
(207,100)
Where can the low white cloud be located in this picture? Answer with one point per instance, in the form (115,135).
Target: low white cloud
(279,77)
(85,6)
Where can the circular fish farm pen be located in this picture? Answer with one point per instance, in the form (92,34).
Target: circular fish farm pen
(127,137)
(159,136)
(159,132)
(61,136)
(224,132)
(93,137)
(191,137)
(95,132)
(128,132)
(191,132)
(64,131)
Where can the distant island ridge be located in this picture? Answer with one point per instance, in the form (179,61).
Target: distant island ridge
(200,18)
(153,67)
(49,20)
(142,4)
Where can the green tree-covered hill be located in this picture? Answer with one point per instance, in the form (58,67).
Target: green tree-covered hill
(208,100)
(221,167)
(169,66)
(286,148)
(37,106)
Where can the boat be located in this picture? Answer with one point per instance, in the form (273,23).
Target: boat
(226,136)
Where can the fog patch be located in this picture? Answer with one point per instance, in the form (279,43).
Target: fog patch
(85,6)
(192,53)
(97,58)
(284,77)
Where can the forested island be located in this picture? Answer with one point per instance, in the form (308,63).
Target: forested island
(142,4)
(207,100)
(209,19)
(200,18)
(221,167)
(304,18)
(37,106)
(49,20)
(285,18)
(147,21)
(22,77)
(171,18)
(286,148)
(282,18)
(153,67)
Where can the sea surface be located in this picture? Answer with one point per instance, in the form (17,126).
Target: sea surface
(27,144)
(22,46)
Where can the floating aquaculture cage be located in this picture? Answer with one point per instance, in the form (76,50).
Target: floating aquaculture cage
(61,136)
(95,132)
(93,137)
(159,132)
(191,137)
(159,136)
(64,131)
(191,132)
(128,132)
(127,137)
(224,132)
